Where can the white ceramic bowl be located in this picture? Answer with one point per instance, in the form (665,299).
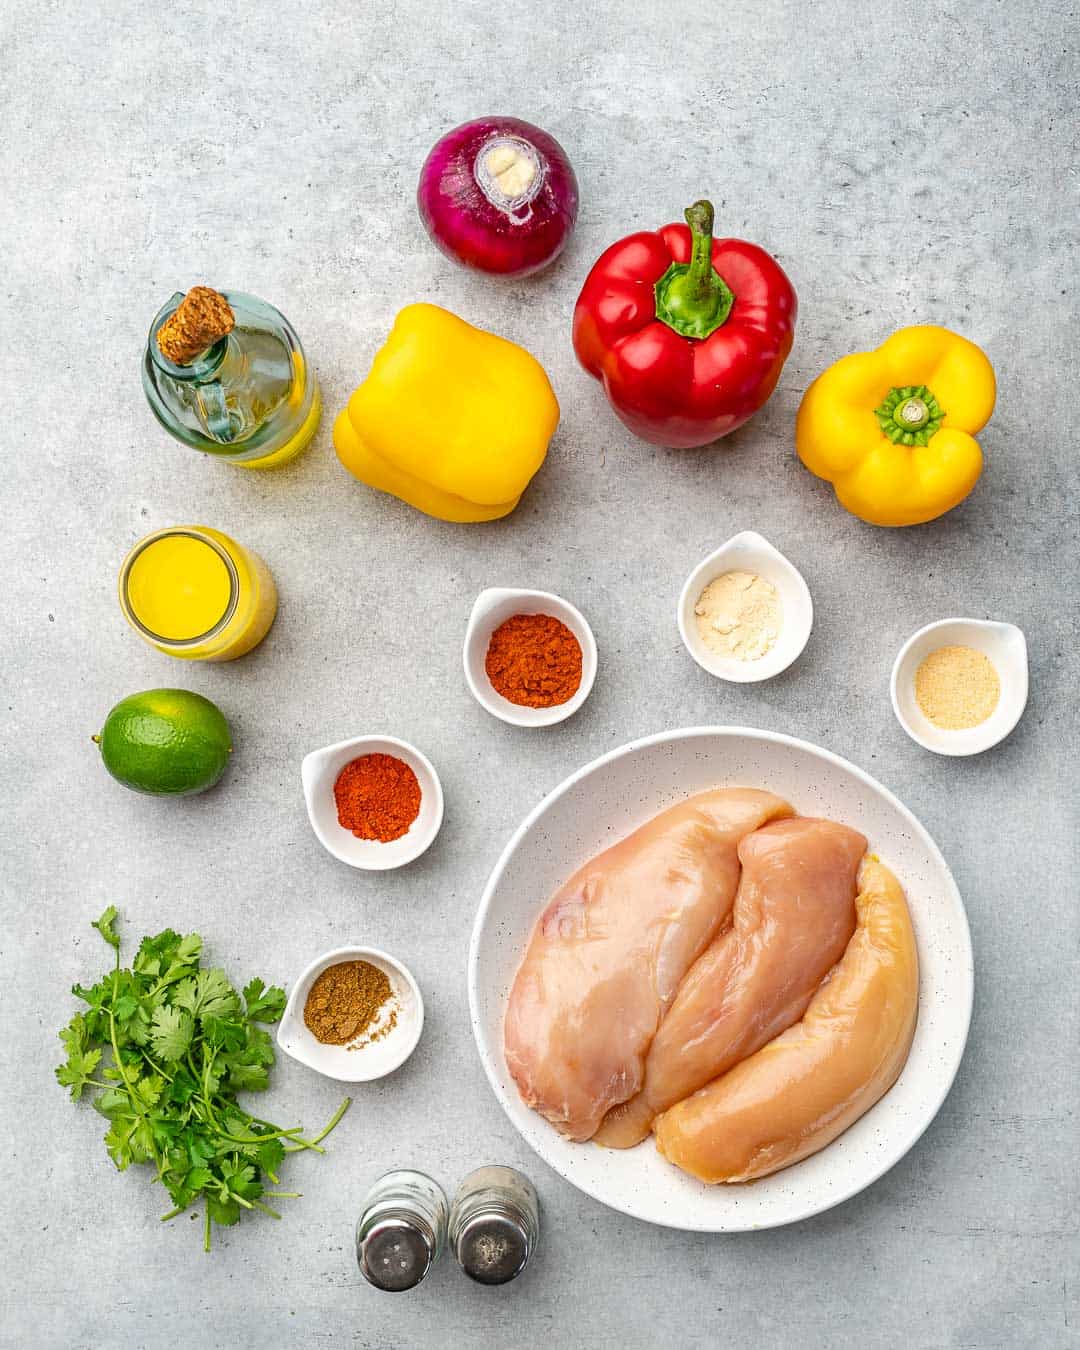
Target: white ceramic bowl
(319,772)
(749,552)
(493,607)
(605,801)
(370,1061)
(1003,643)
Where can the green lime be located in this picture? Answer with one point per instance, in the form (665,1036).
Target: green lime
(167,742)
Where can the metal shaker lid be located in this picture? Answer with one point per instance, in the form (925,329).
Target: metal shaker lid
(395,1255)
(492,1247)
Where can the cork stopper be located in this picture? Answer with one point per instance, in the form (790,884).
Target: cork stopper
(201,318)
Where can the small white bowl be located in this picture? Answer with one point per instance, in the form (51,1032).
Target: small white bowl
(368,1061)
(493,607)
(319,773)
(749,552)
(1003,643)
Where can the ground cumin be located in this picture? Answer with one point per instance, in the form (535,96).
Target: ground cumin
(345,1000)
(534,660)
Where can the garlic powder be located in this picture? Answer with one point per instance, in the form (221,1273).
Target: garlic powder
(739,614)
(957,687)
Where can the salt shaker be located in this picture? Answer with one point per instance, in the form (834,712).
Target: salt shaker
(494,1224)
(401,1231)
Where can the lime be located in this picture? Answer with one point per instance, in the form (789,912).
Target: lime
(167,742)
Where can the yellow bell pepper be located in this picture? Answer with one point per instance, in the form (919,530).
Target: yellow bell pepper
(893,429)
(452,420)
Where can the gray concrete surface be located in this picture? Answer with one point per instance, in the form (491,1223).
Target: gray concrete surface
(916,164)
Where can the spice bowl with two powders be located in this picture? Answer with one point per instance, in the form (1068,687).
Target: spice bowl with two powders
(354,1014)
(529,656)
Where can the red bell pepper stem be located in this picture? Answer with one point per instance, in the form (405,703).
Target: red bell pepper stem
(692,298)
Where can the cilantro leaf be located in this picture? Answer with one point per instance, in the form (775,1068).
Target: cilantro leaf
(171,1030)
(224,1033)
(207,994)
(224,1212)
(247,1078)
(78,1069)
(270,1156)
(182,1088)
(105,926)
(263,1005)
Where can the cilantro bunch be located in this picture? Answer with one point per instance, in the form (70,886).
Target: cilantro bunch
(180,1043)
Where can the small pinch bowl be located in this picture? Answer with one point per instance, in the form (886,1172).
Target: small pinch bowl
(748,551)
(493,607)
(367,1062)
(319,773)
(1006,647)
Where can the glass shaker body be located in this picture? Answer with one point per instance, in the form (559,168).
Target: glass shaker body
(251,398)
(494,1224)
(401,1231)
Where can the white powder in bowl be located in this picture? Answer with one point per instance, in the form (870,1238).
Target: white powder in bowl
(739,614)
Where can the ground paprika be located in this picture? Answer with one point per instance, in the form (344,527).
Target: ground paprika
(534,660)
(377,797)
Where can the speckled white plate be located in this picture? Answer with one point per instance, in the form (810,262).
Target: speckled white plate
(606,800)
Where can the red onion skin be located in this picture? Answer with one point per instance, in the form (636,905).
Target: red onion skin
(471,229)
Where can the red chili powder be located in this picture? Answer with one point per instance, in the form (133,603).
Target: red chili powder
(534,660)
(377,796)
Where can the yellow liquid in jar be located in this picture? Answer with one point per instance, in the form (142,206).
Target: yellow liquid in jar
(299,442)
(179,587)
(194,593)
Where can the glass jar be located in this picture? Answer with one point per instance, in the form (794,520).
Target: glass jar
(401,1231)
(193,592)
(494,1224)
(250,398)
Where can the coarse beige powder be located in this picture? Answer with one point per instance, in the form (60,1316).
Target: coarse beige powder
(957,687)
(739,614)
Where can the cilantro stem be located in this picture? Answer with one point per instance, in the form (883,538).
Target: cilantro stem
(155,1065)
(314,1143)
(272,1133)
(206,1231)
(265,1208)
(333,1120)
(173,1213)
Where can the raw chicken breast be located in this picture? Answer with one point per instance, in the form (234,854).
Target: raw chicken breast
(794,914)
(611,948)
(803,1089)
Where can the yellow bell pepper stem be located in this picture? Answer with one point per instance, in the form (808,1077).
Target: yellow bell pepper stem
(893,430)
(453,420)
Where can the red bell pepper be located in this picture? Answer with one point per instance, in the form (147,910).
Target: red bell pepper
(687,333)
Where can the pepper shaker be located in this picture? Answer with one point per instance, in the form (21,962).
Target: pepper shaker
(494,1224)
(401,1230)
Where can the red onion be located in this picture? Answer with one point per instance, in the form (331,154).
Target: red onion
(498,194)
